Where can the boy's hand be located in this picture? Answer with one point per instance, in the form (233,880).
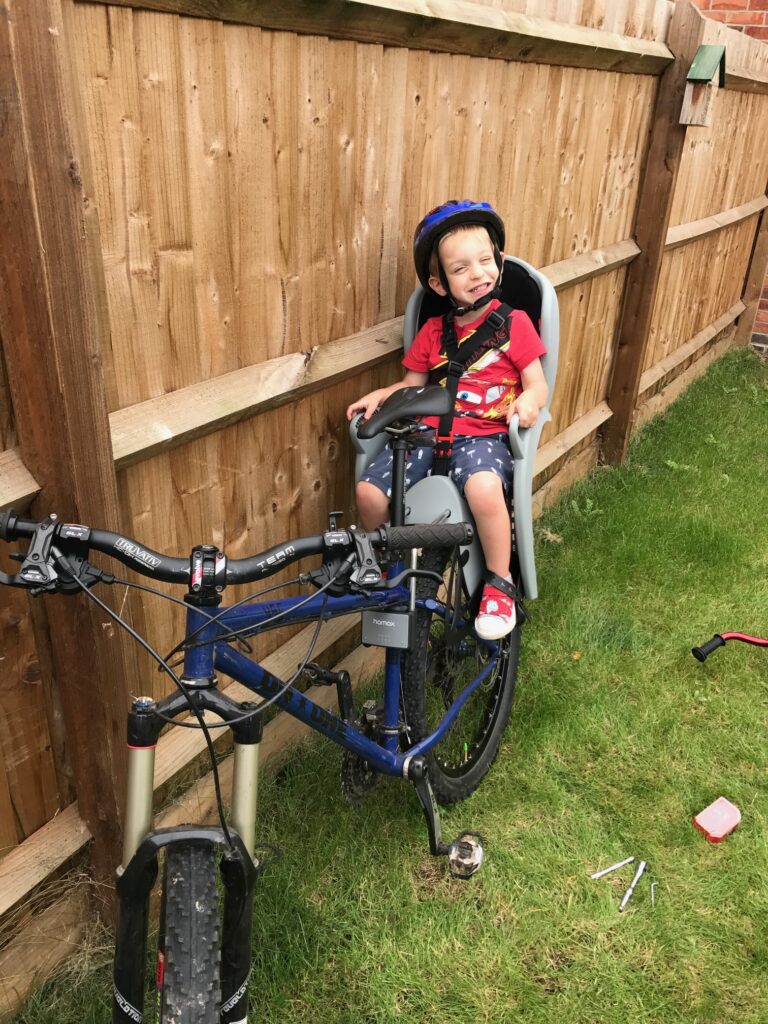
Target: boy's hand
(533,396)
(368,404)
(526,407)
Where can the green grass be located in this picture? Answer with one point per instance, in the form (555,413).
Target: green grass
(617,738)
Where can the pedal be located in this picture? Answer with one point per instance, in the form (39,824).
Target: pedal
(320,676)
(341,680)
(465,855)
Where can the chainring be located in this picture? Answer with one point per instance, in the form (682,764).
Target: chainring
(357,778)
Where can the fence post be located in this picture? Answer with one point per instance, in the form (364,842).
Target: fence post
(753,281)
(657,192)
(53,324)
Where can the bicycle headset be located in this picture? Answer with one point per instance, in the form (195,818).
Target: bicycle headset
(445,218)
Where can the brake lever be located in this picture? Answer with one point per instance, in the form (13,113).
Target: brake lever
(37,571)
(45,569)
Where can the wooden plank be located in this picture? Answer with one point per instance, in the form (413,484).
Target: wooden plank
(745,80)
(26,762)
(652,221)
(683,233)
(17,485)
(661,401)
(589,264)
(753,284)
(450,26)
(53,936)
(570,437)
(160,424)
(39,855)
(52,321)
(660,370)
(698,283)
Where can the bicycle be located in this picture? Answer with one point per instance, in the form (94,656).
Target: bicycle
(419,612)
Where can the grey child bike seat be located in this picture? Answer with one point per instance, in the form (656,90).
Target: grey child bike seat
(523,287)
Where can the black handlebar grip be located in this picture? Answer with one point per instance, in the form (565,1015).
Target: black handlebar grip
(12,526)
(427,535)
(6,524)
(703,652)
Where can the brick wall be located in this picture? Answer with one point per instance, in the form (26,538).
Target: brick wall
(751,17)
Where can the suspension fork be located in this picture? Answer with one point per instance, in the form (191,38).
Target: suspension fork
(138,871)
(239,884)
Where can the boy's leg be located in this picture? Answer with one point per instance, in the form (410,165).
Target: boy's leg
(374,489)
(484,467)
(372,505)
(485,495)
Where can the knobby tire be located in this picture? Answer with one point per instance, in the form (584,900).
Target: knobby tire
(191,991)
(434,672)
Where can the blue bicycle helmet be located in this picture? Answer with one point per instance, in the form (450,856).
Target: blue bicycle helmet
(445,218)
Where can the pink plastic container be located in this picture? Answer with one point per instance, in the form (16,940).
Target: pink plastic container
(718,820)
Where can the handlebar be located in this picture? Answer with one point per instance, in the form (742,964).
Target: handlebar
(703,652)
(206,566)
(718,640)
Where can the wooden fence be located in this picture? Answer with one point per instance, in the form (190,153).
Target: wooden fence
(206,210)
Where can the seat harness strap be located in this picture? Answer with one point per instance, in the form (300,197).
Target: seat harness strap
(494,329)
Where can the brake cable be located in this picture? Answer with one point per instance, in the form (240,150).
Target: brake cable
(164,665)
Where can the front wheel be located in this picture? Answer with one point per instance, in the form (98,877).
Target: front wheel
(191,956)
(444,658)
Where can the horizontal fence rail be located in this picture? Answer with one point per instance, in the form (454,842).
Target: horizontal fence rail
(441,25)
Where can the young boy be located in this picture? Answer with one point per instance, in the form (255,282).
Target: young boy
(458,254)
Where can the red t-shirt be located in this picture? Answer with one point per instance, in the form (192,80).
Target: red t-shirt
(491,383)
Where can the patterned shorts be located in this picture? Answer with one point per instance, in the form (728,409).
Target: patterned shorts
(470,455)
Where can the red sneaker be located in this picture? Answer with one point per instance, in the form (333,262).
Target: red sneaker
(496,616)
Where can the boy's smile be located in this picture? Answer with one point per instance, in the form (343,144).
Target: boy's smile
(469,263)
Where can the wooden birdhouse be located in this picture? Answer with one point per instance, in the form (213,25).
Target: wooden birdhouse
(700,87)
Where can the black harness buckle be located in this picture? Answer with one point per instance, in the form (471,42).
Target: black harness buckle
(495,319)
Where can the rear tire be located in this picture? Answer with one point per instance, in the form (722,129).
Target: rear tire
(191,990)
(439,665)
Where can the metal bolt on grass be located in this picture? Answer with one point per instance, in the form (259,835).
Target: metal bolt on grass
(641,868)
(628,894)
(613,867)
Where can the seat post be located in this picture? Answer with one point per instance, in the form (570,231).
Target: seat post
(397,503)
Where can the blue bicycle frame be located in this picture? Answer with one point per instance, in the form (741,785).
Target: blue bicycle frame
(211,654)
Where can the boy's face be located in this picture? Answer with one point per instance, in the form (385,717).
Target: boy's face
(467,259)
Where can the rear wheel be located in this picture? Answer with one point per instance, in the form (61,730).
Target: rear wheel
(444,658)
(191,987)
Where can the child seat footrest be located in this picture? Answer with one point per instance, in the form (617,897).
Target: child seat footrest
(501,584)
